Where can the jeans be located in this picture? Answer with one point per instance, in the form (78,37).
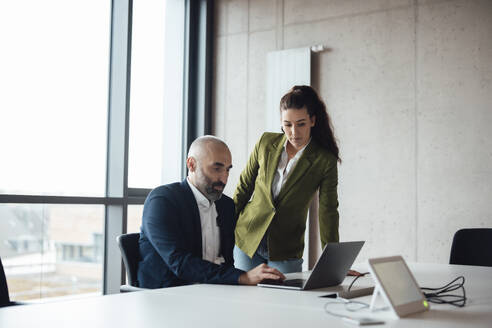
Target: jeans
(243,262)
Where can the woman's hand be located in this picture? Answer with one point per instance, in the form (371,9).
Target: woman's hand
(355,273)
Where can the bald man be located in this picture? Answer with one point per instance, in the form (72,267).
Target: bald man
(187,233)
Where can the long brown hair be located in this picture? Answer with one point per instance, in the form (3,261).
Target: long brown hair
(301,96)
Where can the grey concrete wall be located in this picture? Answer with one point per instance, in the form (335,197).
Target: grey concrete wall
(408,85)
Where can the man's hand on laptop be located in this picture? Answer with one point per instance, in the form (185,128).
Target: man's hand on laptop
(261,272)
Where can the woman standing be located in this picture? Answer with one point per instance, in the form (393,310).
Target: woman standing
(279,181)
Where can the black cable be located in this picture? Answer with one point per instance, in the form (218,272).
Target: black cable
(440,295)
(357,277)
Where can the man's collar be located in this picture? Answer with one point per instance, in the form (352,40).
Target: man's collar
(201,200)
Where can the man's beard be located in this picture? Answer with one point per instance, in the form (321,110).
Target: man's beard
(207,186)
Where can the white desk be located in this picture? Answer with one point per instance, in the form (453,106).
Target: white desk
(243,306)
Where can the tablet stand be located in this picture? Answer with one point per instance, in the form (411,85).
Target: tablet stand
(375,294)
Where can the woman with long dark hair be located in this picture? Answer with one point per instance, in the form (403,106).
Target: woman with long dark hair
(276,187)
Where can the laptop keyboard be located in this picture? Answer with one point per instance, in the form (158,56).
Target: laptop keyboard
(289,282)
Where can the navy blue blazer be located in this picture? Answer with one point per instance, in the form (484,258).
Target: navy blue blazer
(171,240)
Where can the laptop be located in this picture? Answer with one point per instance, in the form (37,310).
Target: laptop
(330,269)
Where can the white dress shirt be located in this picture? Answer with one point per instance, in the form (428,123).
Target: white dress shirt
(210,230)
(284,168)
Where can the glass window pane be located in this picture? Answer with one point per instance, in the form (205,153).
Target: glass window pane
(147,94)
(51,250)
(134,218)
(53,96)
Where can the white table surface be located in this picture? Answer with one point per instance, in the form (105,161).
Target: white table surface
(250,306)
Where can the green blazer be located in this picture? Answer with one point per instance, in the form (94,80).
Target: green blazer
(285,218)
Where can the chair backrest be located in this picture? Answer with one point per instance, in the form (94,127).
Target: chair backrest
(130,253)
(4,290)
(472,247)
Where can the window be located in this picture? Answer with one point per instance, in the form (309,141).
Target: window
(155,143)
(134,220)
(147,94)
(53,96)
(53,128)
(51,250)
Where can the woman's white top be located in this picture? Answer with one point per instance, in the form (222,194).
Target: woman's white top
(284,168)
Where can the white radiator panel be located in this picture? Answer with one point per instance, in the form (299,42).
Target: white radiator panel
(285,69)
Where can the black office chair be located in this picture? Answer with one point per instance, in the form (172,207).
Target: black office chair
(129,248)
(4,290)
(472,247)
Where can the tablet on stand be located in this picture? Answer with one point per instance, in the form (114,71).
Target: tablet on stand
(397,286)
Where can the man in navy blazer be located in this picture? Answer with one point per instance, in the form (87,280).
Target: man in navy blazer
(187,233)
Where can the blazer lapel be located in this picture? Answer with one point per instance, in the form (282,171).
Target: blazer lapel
(300,169)
(221,225)
(273,157)
(194,215)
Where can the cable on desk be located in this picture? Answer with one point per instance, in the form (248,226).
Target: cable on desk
(440,295)
(334,313)
(352,306)
(357,277)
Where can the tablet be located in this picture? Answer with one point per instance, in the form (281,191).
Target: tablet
(397,285)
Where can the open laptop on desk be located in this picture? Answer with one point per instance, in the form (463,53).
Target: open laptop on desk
(330,269)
